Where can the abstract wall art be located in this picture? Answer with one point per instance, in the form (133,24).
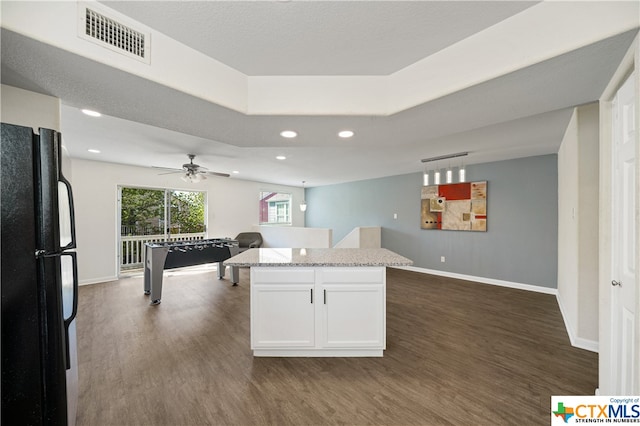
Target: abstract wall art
(456,206)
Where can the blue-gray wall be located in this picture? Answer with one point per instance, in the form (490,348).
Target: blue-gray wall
(521,242)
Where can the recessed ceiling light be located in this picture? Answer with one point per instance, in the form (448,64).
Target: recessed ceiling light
(345,133)
(288,134)
(94,151)
(235,172)
(281,157)
(91,113)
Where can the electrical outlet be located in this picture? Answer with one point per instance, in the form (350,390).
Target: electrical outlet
(442,259)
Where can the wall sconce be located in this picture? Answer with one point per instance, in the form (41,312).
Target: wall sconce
(303,204)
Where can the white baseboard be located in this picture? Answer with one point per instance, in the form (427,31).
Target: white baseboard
(483,280)
(578,342)
(586,344)
(97,280)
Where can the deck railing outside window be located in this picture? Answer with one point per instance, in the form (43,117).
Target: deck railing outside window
(133,247)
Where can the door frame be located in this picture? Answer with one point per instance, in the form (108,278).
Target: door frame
(629,64)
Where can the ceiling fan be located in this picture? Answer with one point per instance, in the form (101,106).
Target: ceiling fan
(192,172)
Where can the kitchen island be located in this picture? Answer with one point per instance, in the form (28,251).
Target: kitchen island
(318,302)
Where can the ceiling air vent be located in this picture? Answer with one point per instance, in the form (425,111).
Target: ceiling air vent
(114,35)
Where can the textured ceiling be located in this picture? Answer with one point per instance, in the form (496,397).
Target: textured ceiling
(322,37)
(519,114)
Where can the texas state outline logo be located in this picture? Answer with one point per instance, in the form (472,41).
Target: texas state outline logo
(565,413)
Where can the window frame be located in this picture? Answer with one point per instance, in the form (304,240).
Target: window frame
(265,208)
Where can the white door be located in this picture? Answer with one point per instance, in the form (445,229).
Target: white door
(625,257)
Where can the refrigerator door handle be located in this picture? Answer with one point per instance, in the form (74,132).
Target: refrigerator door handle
(72,216)
(74,303)
(74,309)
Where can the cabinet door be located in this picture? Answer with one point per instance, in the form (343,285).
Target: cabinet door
(353,316)
(282,316)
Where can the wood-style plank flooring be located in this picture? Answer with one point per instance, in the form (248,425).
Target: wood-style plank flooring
(458,353)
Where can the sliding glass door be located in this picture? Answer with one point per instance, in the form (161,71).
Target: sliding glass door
(186,213)
(153,215)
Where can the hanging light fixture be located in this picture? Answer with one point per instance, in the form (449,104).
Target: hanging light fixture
(425,177)
(303,204)
(449,173)
(462,173)
(436,175)
(193,177)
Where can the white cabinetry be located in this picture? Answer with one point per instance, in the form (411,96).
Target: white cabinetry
(318,311)
(282,308)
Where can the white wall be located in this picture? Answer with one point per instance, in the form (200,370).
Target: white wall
(232,208)
(295,237)
(577,227)
(589,201)
(30,109)
(568,226)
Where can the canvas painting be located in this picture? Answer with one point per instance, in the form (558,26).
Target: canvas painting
(455,207)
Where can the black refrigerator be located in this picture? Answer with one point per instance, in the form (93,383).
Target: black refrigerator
(39,281)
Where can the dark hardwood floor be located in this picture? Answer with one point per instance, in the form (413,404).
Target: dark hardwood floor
(458,353)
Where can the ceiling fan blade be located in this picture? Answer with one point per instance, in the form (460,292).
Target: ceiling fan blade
(166,168)
(175,172)
(191,169)
(217,174)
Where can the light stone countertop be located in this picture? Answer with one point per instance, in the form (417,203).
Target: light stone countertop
(318,257)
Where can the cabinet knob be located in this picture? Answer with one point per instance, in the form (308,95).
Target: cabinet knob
(616,283)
